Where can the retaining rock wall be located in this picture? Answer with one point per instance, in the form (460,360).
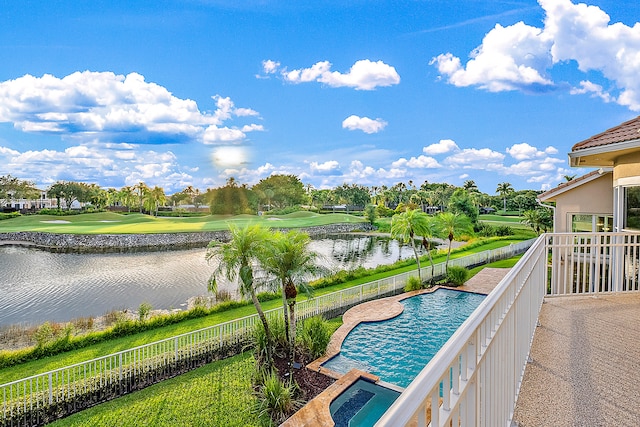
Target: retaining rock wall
(143,242)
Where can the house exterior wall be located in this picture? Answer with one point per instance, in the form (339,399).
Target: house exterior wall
(594,197)
(626,170)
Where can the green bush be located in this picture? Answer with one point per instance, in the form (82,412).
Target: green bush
(9,215)
(143,311)
(457,275)
(504,230)
(43,335)
(314,337)
(278,334)
(413,284)
(275,399)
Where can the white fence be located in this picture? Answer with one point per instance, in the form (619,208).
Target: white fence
(475,378)
(43,397)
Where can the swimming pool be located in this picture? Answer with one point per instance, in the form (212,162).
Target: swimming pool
(362,404)
(397,349)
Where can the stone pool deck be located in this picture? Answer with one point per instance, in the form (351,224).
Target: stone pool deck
(316,412)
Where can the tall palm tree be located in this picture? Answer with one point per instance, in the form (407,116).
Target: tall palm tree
(140,190)
(292,263)
(127,197)
(451,226)
(406,226)
(504,189)
(237,258)
(154,198)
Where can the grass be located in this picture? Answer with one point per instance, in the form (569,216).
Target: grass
(505,263)
(115,223)
(218,394)
(68,358)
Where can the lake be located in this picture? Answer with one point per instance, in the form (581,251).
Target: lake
(38,286)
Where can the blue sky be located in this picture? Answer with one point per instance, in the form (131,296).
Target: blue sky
(178,93)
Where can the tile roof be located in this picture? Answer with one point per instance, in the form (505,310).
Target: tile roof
(576,182)
(627,131)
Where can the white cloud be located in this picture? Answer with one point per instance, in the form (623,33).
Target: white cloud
(105,107)
(519,56)
(363,75)
(270,67)
(116,165)
(464,176)
(364,124)
(525,151)
(441,147)
(596,90)
(513,57)
(330,167)
(474,158)
(416,162)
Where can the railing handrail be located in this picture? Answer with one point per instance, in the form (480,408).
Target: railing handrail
(513,247)
(401,412)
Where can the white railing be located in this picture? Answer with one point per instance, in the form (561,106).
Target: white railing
(40,398)
(591,263)
(474,380)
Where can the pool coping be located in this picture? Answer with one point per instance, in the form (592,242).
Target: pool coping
(316,412)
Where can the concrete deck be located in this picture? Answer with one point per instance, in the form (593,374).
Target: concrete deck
(585,364)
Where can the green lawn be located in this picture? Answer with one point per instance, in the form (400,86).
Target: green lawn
(115,223)
(218,394)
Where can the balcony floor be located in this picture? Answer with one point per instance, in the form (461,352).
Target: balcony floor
(585,367)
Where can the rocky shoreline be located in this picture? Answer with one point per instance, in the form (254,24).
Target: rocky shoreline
(57,242)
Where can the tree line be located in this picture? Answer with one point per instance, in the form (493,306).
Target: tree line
(279,193)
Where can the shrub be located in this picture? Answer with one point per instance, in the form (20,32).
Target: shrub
(485,230)
(314,337)
(384,211)
(223,295)
(143,311)
(504,230)
(9,215)
(44,334)
(278,333)
(413,284)
(457,275)
(275,399)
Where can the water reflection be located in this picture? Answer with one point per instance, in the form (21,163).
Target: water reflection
(36,286)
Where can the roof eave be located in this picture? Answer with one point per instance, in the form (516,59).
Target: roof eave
(575,156)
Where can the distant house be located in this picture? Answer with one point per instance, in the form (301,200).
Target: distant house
(29,205)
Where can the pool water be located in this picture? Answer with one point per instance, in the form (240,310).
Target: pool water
(397,349)
(362,404)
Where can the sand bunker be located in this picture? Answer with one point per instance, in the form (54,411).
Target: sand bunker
(57,221)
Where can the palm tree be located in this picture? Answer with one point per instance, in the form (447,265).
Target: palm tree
(451,226)
(290,261)
(127,197)
(504,188)
(154,198)
(408,224)
(237,258)
(140,190)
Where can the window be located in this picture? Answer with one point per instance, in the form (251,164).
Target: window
(588,223)
(632,207)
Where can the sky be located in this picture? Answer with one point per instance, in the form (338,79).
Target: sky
(193,92)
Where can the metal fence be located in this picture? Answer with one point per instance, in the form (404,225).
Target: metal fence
(44,397)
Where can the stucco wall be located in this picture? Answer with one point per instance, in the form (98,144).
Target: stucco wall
(593,197)
(627,169)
